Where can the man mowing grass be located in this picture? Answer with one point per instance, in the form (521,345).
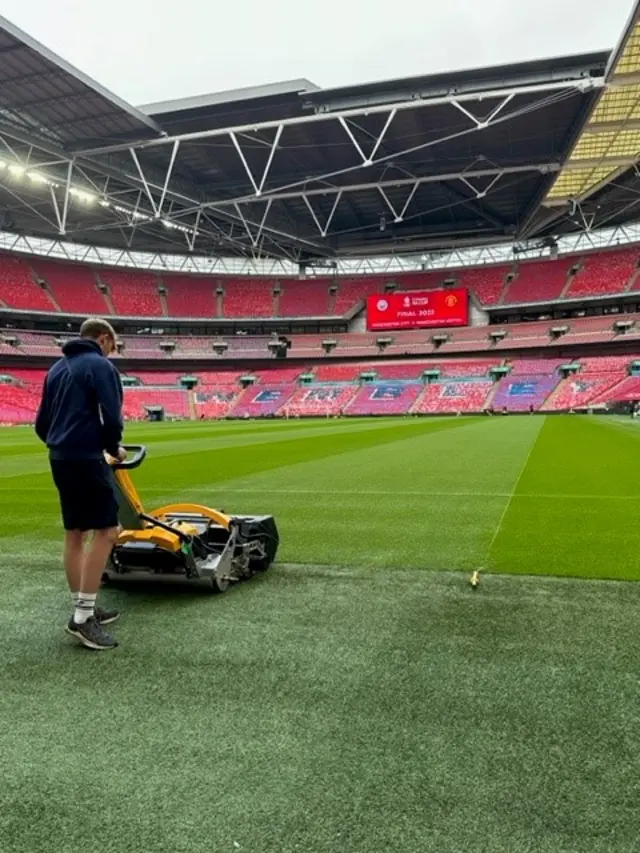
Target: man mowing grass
(79,418)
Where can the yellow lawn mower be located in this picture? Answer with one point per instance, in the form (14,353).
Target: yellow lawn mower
(183,539)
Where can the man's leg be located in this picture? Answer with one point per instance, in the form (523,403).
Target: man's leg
(73,559)
(92,568)
(86,624)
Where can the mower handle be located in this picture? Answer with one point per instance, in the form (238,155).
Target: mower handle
(139,452)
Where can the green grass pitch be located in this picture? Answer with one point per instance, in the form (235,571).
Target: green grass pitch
(359,697)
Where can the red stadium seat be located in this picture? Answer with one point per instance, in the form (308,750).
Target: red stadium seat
(17,287)
(605,272)
(451,396)
(19,404)
(487,283)
(190,296)
(337,372)
(174,401)
(581,389)
(73,286)
(248,297)
(306,298)
(538,281)
(133,293)
(353,290)
(215,401)
(148,377)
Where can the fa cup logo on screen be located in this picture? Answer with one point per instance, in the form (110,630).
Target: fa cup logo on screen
(382,305)
(407,302)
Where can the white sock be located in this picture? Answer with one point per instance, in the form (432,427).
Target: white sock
(85,607)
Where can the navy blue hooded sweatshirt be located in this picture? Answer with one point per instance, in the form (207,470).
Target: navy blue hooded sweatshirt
(80,414)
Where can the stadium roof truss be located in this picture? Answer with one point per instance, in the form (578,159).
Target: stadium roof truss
(300,174)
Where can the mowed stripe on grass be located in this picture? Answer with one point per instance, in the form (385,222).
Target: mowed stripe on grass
(367,527)
(579,535)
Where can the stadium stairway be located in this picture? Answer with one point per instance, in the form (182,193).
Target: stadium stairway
(491,396)
(558,391)
(633,281)
(51,296)
(505,284)
(193,411)
(163,298)
(105,292)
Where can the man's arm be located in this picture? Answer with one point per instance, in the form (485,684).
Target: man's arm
(109,393)
(42,417)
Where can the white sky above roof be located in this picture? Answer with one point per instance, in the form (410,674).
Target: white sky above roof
(153,50)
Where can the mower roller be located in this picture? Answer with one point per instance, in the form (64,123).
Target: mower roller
(186,540)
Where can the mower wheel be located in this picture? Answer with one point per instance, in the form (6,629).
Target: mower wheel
(263,564)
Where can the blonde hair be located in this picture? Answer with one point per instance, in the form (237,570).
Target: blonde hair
(95,327)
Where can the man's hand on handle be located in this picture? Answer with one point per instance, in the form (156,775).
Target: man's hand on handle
(121,456)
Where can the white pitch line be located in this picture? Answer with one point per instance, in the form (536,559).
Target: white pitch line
(513,491)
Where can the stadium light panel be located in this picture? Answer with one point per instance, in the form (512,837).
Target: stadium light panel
(617,105)
(38,178)
(82,195)
(612,148)
(629,62)
(17,170)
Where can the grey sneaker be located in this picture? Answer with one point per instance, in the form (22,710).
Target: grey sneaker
(91,634)
(106,616)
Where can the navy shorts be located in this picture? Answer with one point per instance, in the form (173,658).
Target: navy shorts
(87,493)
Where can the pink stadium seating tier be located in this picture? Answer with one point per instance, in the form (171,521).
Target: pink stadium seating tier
(452,396)
(628,388)
(262,400)
(175,401)
(465,341)
(215,402)
(368,401)
(581,390)
(601,379)
(324,400)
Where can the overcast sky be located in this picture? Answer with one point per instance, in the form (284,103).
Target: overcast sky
(155,50)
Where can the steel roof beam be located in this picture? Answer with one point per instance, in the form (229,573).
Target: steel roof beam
(474,126)
(156,186)
(403,106)
(544,168)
